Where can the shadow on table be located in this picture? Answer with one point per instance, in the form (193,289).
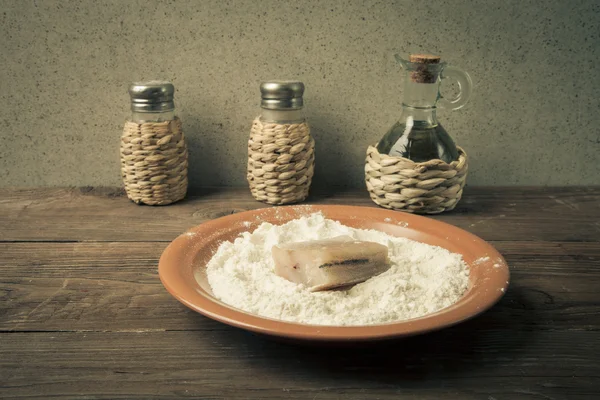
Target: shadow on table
(497,335)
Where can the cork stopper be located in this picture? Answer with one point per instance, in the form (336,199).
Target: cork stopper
(424,59)
(422,73)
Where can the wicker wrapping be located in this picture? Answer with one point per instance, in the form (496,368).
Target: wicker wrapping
(281,161)
(154,162)
(425,188)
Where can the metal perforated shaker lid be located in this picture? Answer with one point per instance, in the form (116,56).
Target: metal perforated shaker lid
(152,96)
(282,95)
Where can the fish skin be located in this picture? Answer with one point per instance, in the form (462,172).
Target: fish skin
(330,263)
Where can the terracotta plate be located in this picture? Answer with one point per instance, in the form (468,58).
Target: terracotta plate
(182,270)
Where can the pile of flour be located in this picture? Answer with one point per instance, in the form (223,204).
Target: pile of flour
(422,278)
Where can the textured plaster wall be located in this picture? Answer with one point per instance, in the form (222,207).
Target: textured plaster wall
(65,66)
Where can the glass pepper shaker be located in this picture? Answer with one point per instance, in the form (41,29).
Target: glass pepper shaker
(154,156)
(280,149)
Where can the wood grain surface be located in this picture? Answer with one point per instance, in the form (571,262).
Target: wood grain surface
(84,315)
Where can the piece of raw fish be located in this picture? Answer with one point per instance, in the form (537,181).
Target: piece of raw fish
(330,263)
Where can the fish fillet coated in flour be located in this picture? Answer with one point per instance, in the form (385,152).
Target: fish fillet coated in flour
(330,263)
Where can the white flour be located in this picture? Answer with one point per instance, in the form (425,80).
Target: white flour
(422,279)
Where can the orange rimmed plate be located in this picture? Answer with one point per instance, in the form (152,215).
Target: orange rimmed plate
(183,263)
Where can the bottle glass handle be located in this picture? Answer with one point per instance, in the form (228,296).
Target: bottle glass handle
(464,84)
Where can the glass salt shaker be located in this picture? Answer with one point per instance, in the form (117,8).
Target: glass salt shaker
(280,149)
(154,156)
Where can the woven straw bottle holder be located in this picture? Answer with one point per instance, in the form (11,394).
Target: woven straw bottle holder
(429,187)
(432,186)
(281,153)
(154,156)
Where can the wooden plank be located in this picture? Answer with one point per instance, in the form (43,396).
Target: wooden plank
(143,365)
(538,214)
(101,286)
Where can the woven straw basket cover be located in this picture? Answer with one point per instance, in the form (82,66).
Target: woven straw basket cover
(154,162)
(426,188)
(281,160)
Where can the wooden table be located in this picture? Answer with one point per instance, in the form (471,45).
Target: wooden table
(84,315)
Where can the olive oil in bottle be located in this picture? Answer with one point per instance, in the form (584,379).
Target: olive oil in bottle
(418,135)
(420,142)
